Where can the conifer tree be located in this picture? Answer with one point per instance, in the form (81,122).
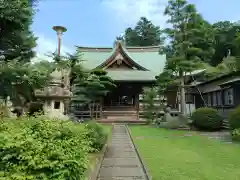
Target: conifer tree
(183,54)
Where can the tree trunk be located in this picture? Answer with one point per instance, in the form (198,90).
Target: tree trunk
(182,93)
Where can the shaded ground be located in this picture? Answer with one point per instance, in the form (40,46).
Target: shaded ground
(184,155)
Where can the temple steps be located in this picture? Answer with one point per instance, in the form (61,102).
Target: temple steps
(121,121)
(120,113)
(226,124)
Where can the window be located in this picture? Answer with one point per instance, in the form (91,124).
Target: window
(214,94)
(228,97)
(56,105)
(209,100)
(219,98)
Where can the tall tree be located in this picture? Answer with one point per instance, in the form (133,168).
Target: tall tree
(16,38)
(225,34)
(184,53)
(145,33)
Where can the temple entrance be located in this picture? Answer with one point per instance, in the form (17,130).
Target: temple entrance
(119,100)
(124,97)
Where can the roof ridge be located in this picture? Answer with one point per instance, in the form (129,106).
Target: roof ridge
(127,47)
(94,47)
(141,47)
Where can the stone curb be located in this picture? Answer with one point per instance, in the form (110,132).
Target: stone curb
(95,172)
(142,162)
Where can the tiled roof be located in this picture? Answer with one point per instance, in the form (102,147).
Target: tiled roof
(147,57)
(132,75)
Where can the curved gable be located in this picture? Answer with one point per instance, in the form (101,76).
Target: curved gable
(120,56)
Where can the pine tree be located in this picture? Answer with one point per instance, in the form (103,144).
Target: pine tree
(182,54)
(145,33)
(90,89)
(150,109)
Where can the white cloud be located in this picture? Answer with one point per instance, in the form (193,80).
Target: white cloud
(128,12)
(47,45)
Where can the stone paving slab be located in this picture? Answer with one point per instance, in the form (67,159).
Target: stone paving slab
(121,178)
(115,149)
(121,155)
(123,146)
(121,171)
(121,161)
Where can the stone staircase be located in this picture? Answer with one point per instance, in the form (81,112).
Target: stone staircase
(120,114)
(226,124)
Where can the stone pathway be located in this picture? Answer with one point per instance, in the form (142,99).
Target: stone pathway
(121,161)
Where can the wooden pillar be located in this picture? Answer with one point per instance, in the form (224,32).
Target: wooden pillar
(137,104)
(101,106)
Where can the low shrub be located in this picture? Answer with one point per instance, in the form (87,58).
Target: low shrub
(96,135)
(236,134)
(173,122)
(207,119)
(234,118)
(38,149)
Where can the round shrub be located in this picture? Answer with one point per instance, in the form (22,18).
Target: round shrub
(234,118)
(207,119)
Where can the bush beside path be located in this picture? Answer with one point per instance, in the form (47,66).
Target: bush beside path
(39,148)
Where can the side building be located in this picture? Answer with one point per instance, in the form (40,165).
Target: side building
(221,93)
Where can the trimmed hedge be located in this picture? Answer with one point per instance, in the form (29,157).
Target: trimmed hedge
(234,119)
(39,149)
(207,119)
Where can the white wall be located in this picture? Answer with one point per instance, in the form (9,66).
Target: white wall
(189,108)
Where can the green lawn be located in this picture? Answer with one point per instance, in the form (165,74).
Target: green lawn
(169,155)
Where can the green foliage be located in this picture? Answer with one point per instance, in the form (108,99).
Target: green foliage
(234,118)
(189,46)
(92,87)
(97,136)
(42,149)
(184,54)
(207,119)
(225,39)
(236,134)
(17,40)
(149,107)
(37,148)
(145,33)
(164,80)
(20,80)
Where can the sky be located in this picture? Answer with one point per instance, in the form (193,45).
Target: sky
(98,22)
